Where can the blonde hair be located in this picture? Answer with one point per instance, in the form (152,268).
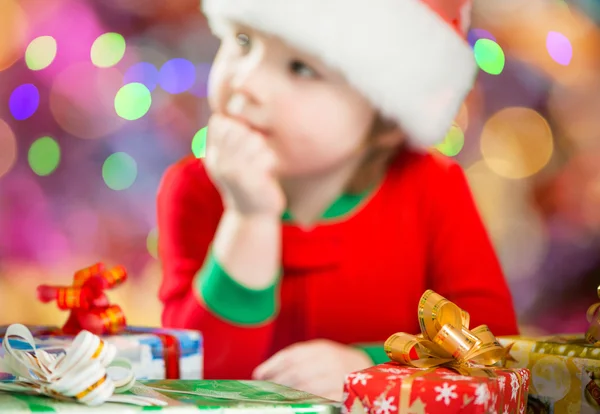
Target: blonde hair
(377,159)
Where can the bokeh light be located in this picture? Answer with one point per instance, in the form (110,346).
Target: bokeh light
(119,171)
(453,143)
(489,56)
(143,72)
(133,101)
(516,142)
(24,101)
(559,48)
(108,50)
(40,53)
(82,100)
(13,28)
(8,148)
(199,143)
(177,75)
(516,230)
(44,156)
(475,34)
(152,243)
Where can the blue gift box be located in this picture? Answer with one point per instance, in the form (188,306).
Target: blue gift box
(155,353)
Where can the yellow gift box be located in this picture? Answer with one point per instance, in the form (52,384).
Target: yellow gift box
(565,370)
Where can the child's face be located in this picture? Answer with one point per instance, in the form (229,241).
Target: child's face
(313,120)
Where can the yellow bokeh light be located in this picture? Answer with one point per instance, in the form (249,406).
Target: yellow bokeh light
(8,148)
(40,53)
(516,142)
(13,29)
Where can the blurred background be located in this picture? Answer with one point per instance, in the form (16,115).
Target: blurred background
(97,98)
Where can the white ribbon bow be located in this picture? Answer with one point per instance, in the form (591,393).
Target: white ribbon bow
(77,374)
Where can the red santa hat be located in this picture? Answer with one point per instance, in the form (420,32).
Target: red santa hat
(410,58)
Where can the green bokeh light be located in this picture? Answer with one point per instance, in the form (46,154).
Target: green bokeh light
(152,243)
(119,171)
(44,156)
(133,101)
(489,56)
(199,143)
(108,50)
(453,143)
(40,53)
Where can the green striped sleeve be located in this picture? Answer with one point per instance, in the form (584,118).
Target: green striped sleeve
(375,352)
(230,300)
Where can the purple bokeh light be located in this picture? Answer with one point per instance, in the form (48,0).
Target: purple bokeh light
(559,47)
(177,75)
(143,72)
(24,101)
(475,34)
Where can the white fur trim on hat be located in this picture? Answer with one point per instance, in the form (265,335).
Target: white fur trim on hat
(406,59)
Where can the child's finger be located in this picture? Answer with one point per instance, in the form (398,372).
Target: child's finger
(293,355)
(301,373)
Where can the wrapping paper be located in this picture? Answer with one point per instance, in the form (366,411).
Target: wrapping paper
(565,372)
(82,373)
(448,367)
(154,353)
(379,390)
(191,396)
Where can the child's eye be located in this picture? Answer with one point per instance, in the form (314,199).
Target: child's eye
(301,69)
(242,39)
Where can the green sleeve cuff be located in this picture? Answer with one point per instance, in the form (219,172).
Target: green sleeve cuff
(375,352)
(230,300)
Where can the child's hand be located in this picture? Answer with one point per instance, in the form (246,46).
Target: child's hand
(243,167)
(318,367)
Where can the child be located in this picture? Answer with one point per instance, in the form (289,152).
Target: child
(317,220)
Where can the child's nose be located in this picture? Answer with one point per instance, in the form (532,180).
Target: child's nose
(253,80)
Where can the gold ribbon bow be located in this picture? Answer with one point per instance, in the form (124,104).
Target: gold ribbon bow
(445,339)
(593,316)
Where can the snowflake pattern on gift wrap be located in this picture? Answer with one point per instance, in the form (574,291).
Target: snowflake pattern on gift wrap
(493,404)
(454,377)
(482,394)
(396,377)
(501,383)
(396,371)
(445,393)
(385,405)
(506,410)
(359,377)
(514,383)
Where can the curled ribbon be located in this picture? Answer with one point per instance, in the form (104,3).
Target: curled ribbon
(445,339)
(87,301)
(593,316)
(78,373)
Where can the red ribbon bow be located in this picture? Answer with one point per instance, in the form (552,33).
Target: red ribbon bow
(85,298)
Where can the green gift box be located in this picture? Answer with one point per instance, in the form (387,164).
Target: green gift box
(188,396)
(565,372)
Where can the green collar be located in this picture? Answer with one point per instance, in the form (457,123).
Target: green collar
(344,205)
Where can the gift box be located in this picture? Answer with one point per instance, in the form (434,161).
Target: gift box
(154,353)
(447,368)
(188,396)
(565,372)
(393,388)
(565,369)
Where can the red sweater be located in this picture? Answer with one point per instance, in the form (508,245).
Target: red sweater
(357,279)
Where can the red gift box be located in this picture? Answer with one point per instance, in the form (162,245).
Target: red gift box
(392,388)
(447,368)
